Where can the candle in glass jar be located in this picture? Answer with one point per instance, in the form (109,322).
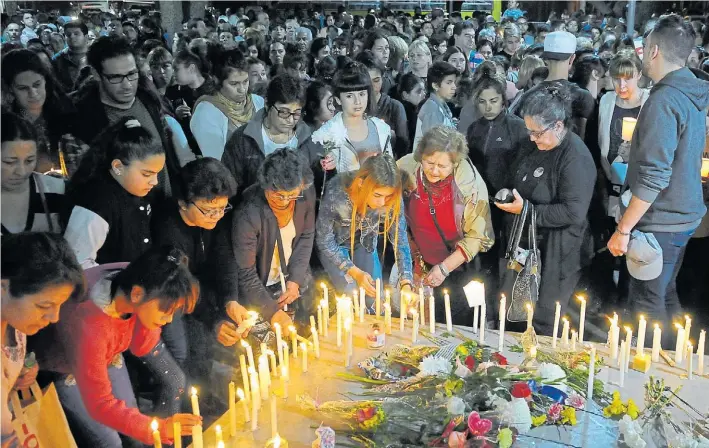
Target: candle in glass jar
(628,128)
(656,343)
(447,304)
(503,320)
(557,317)
(157,443)
(530,315)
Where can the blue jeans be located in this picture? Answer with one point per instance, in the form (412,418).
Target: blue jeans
(368,262)
(657,299)
(90,433)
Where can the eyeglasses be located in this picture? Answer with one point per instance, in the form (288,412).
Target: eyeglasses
(215,213)
(538,134)
(117,79)
(283,198)
(285,113)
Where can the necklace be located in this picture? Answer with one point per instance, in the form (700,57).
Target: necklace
(273,138)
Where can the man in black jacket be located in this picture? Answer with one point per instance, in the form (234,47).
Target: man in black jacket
(68,64)
(120,92)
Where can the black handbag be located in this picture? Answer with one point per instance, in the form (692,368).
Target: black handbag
(524,264)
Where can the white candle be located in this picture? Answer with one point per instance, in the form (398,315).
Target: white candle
(272,360)
(402,312)
(690,357)
(294,340)
(431,313)
(348,347)
(249,353)
(483,321)
(244,374)
(533,352)
(628,345)
(244,405)
(447,304)
(565,333)
(284,381)
(700,352)
(339,322)
(232,407)
(283,286)
(325,306)
(304,349)
(195,401)
(557,317)
(355,302)
(286,357)
(422,308)
(641,336)
(503,319)
(574,335)
(378,298)
(362,305)
(197,440)
(274,417)
(582,318)
(157,443)
(679,348)
(320,324)
(415,329)
(177,433)
(476,318)
(387,318)
(687,326)
(623,361)
(591,374)
(656,343)
(219,435)
(615,336)
(530,315)
(255,401)
(316,341)
(263,376)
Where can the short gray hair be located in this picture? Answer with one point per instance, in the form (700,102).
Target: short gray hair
(548,103)
(305,30)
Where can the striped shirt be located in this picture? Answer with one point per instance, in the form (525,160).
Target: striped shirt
(38,219)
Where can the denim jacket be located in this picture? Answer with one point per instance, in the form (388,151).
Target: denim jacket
(332,229)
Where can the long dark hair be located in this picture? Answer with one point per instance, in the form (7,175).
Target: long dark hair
(116,142)
(313,96)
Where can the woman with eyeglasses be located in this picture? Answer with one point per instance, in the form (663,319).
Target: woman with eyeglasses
(272,233)
(557,177)
(216,117)
(192,224)
(276,126)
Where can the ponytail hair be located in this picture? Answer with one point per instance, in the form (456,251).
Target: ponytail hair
(120,141)
(548,103)
(187,58)
(163,273)
(378,171)
(488,77)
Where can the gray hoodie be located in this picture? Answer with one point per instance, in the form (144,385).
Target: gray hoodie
(666,153)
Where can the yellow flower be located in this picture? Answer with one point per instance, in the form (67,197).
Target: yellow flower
(479,355)
(504,438)
(463,350)
(375,421)
(633,410)
(568,416)
(539,420)
(616,407)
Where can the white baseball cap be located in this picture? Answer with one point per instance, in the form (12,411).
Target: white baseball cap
(559,45)
(644,256)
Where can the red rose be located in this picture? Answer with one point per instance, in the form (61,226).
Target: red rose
(470,362)
(521,389)
(501,360)
(365,414)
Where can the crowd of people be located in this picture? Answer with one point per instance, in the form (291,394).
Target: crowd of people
(157,187)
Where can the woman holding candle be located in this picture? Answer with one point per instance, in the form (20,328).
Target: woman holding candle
(555,178)
(439,176)
(39,274)
(125,309)
(272,231)
(354,206)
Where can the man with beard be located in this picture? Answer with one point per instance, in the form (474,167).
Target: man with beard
(68,64)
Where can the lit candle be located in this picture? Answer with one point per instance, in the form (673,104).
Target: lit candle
(574,335)
(197,440)
(325,294)
(157,443)
(447,304)
(533,352)
(244,405)
(378,298)
(320,327)
(244,374)
(690,357)
(530,315)
(641,336)
(565,333)
(591,374)
(687,326)
(628,128)
(294,340)
(483,320)
(582,318)
(615,336)
(326,315)
(274,417)
(387,318)
(232,407)
(402,312)
(557,317)
(656,343)
(679,348)
(623,361)
(220,444)
(355,302)
(348,331)
(628,344)
(177,434)
(476,318)
(255,400)
(218,434)
(422,308)
(304,349)
(316,341)
(387,297)
(272,360)
(503,320)
(277,442)
(195,401)
(415,329)
(263,376)
(279,339)
(249,353)
(284,381)
(362,305)
(286,357)
(340,305)
(283,286)
(700,352)
(431,313)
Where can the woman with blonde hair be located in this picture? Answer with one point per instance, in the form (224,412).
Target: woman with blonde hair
(399,54)
(420,59)
(448,212)
(353,208)
(526,68)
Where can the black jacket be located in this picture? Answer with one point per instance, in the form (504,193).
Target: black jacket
(393,113)
(253,238)
(67,71)
(412,113)
(244,153)
(92,120)
(494,145)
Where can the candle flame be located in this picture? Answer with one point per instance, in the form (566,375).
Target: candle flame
(270,352)
(284,371)
(154,425)
(252,314)
(303,346)
(657,325)
(193,391)
(445,291)
(291,328)
(220,444)
(277,441)
(627,329)
(686,317)
(581,298)
(529,306)
(245,344)
(322,285)
(678,326)
(502,296)
(218,429)
(642,317)
(564,319)
(240,393)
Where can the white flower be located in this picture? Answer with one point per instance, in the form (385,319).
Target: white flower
(328,133)
(434,365)
(516,414)
(456,406)
(484,365)
(552,373)
(461,370)
(631,432)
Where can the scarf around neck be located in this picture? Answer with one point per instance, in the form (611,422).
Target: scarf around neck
(236,116)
